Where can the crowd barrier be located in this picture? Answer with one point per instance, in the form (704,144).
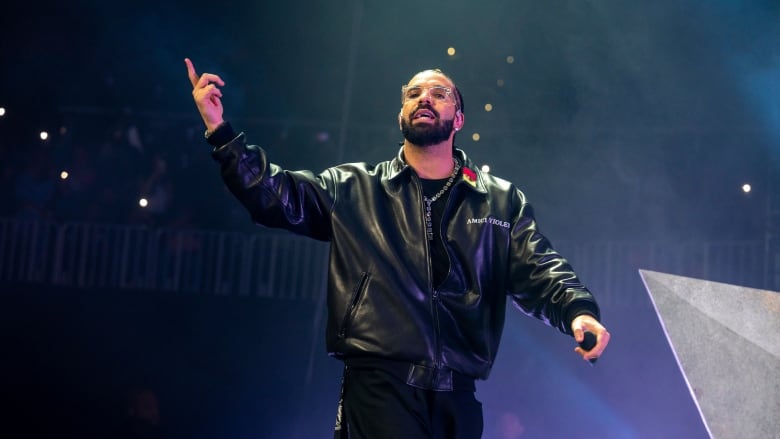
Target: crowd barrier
(285,266)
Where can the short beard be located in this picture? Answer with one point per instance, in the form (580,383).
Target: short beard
(427,135)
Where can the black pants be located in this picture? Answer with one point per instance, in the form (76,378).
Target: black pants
(377,405)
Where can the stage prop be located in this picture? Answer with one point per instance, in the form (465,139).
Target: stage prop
(726,340)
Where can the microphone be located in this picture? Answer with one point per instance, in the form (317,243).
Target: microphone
(587,343)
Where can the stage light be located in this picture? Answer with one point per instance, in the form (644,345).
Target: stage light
(475,137)
(485,168)
(746,188)
(510,59)
(44,135)
(451,51)
(488,107)
(64,175)
(143,202)
(2,111)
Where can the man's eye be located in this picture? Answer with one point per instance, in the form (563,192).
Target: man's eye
(439,94)
(413,93)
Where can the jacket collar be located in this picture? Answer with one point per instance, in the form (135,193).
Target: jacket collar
(471,176)
(398,165)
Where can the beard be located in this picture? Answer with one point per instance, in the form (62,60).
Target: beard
(426,135)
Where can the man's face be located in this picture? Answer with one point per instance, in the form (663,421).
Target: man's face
(429,114)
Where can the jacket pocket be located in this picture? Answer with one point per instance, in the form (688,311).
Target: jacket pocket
(357,294)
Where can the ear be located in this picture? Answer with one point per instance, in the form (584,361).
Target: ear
(400,116)
(459,120)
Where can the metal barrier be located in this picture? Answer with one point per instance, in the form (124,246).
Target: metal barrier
(25,250)
(83,255)
(285,266)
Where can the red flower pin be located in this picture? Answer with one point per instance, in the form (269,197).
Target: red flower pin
(470,176)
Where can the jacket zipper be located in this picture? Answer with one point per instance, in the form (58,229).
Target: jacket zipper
(437,337)
(431,288)
(435,295)
(356,293)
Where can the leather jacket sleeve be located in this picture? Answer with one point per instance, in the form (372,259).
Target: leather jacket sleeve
(299,201)
(541,282)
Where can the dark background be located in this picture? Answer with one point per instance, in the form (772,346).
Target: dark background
(620,120)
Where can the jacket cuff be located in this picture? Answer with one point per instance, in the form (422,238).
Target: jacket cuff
(580,308)
(222,135)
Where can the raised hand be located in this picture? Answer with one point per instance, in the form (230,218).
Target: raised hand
(207,96)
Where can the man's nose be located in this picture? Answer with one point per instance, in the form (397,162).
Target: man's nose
(425,96)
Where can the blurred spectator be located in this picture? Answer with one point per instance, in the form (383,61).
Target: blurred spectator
(75,194)
(119,163)
(156,188)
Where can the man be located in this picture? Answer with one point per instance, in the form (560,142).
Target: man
(424,251)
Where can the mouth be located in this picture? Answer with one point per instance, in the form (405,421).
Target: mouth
(423,114)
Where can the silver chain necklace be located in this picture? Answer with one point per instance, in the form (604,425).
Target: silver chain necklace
(429,201)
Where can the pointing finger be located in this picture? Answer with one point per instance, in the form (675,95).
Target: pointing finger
(204,80)
(191,72)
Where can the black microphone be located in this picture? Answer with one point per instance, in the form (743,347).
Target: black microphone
(587,344)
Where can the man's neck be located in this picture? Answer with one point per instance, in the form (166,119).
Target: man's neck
(430,162)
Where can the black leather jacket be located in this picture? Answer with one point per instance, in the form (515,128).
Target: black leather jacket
(381,301)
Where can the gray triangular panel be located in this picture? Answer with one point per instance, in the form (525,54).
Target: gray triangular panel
(726,340)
